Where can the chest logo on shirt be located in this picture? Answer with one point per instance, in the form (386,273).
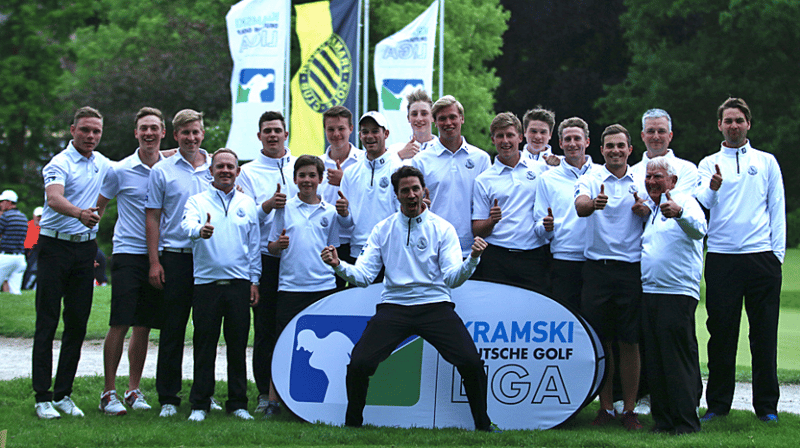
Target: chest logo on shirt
(469,164)
(632,189)
(384,182)
(324,221)
(752,171)
(422,243)
(240,213)
(530,175)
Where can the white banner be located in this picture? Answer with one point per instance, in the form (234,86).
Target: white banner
(404,63)
(257,36)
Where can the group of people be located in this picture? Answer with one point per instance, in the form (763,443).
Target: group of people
(18,249)
(621,244)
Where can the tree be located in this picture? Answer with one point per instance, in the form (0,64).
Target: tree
(688,56)
(33,36)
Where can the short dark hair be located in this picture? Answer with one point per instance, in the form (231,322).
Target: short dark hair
(86,112)
(574,122)
(224,151)
(539,113)
(337,111)
(307,159)
(735,103)
(504,120)
(146,111)
(615,129)
(402,173)
(269,116)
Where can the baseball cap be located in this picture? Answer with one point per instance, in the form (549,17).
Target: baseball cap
(9,195)
(377,116)
(38,211)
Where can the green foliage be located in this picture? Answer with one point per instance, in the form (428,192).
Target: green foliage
(793,229)
(688,56)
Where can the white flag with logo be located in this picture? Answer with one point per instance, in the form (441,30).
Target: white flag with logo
(404,63)
(257,33)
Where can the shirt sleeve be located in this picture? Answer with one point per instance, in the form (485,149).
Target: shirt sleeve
(776,206)
(368,264)
(454,271)
(54,173)
(693,221)
(155,189)
(480,201)
(254,246)
(277,224)
(192,222)
(540,210)
(708,198)
(110,186)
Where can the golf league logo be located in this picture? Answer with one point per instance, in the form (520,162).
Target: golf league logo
(543,361)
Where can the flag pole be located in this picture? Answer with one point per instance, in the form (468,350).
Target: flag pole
(286,67)
(441,48)
(365,59)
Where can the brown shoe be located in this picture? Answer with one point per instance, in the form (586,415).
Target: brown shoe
(630,421)
(602,418)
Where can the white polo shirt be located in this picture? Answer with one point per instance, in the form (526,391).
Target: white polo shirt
(422,258)
(395,148)
(450,178)
(81,177)
(127,181)
(330,193)
(614,233)
(515,191)
(748,212)
(259,179)
(171,183)
(232,252)
(539,157)
(556,190)
(672,249)
(367,185)
(310,228)
(686,172)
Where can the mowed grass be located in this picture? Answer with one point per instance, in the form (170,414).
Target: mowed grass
(146,429)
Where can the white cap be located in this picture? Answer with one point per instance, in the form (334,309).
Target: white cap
(38,211)
(9,195)
(375,115)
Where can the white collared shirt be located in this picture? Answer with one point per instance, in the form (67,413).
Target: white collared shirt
(515,191)
(450,178)
(310,228)
(685,170)
(748,212)
(259,179)
(672,249)
(368,188)
(81,177)
(232,252)
(171,183)
(556,190)
(422,258)
(614,233)
(539,156)
(330,193)
(127,181)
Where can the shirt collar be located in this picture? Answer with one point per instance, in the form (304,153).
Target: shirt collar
(76,156)
(440,148)
(275,161)
(607,174)
(740,150)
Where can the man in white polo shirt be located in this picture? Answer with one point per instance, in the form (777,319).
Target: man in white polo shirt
(222,224)
(366,187)
(611,299)
(672,262)
(502,213)
(657,135)
(450,166)
(742,188)
(556,217)
(268,180)
(169,250)
(72,181)
(134,301)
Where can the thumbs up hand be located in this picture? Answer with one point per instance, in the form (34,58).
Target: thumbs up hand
(409,150)
(716,179)
(278,200)
(207,230)
(601,200)
(283,240)
(640,208)
(342,205)
(426,198)
(335,175)
(495,213)
(669,208)
(549,221)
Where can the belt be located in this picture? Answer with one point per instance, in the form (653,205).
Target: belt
(178,250)
(80,238)
(222,282)
(609,261)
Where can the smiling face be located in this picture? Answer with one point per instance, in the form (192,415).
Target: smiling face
(574,143)
(449,121)
(373,138)
(537,135)
(149,132)
(189,136)
(409,194)
(224,168)
(337,131)
(307,179)
(656,136)
(616,150)
(86,134)
(273,138)
(734,127)
(506,141)
(419,116)
(658,181)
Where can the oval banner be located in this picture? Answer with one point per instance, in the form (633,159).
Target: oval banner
(543,361)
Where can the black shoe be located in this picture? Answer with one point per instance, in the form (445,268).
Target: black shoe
(273,408)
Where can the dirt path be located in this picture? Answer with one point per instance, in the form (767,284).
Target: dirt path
(15,362)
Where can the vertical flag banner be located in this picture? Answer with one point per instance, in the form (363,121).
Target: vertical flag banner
(257,36)
(328,36)
(404,63)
